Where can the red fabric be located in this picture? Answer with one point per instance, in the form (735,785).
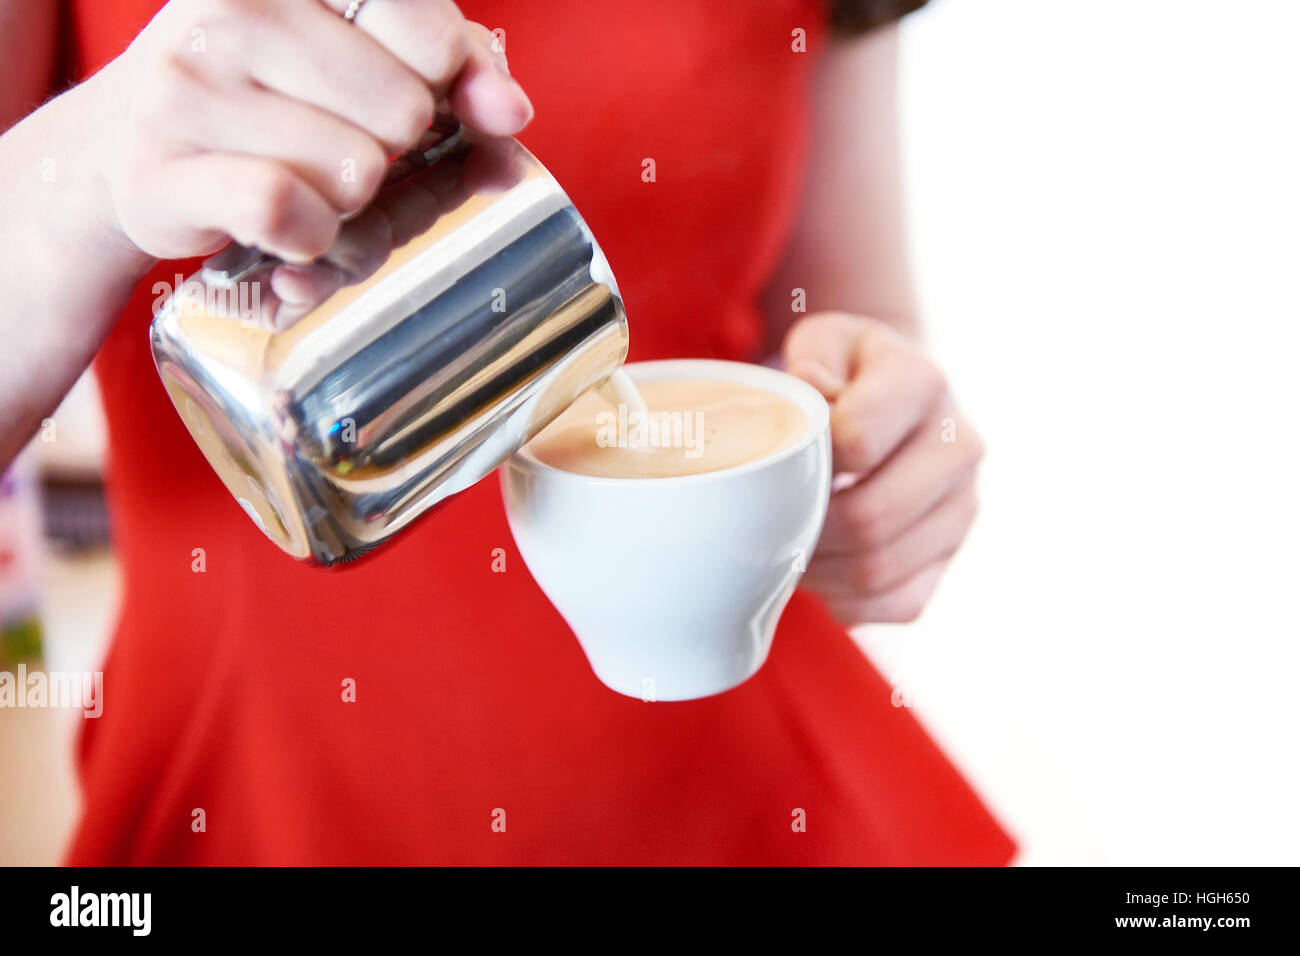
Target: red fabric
(223,688)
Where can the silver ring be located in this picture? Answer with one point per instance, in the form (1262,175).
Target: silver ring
(354,7)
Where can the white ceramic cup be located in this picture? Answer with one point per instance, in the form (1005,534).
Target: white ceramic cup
(673,586)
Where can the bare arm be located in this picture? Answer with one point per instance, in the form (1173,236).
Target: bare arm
(65,273)
(179,145)
(848,250)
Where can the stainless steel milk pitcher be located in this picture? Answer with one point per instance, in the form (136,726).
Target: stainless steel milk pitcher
(463,310)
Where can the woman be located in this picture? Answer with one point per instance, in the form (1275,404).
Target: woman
(478,733)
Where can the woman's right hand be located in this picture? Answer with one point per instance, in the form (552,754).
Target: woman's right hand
(266,121)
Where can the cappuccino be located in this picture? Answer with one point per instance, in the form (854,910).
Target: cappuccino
(675,427)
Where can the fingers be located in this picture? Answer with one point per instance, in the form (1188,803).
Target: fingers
(822,350)
(342,70)
(433,38)
(485,96)
(341,162)
(300,288)
(934,538)
(429,36)
(896,388)
(900,605)
(904,497)
(363,245)
(307,105)
(361,248)
(490,44)
(257,202)
(891,385)
(873,513)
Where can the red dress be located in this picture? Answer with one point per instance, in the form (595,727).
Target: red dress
(223,689)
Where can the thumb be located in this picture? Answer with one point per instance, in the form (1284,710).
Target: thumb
(821,350)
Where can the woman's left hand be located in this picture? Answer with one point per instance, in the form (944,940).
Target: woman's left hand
(910,458)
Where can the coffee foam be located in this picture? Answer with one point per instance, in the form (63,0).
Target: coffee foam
(687,427)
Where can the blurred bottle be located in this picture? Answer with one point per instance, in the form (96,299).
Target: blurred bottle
(20,560)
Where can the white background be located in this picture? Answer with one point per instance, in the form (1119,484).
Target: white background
(1106,214)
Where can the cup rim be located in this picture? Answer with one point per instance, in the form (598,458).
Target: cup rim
(809,400)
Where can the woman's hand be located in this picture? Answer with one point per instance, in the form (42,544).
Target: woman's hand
(265,121)
(910,461)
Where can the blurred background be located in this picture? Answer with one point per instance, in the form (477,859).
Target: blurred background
(1106,228)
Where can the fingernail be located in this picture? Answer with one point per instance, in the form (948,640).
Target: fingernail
(842,481)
